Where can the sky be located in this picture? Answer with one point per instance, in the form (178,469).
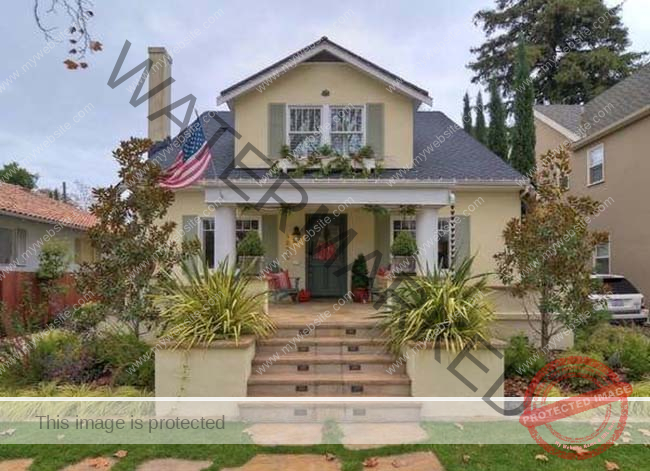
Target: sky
(219,43)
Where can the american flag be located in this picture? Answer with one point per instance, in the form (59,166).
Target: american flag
(191,161)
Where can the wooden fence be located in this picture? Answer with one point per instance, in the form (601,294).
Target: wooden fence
(20,290)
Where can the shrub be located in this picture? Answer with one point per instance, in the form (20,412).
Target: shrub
(52,261)
(360,273)
(54,355)
(199,306)
(445,307)
(251,245)
(404,245)
(522,358)
(621,347)
(86,318)
(116,354)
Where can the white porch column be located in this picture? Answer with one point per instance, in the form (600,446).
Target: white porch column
(426,237)
(225,240)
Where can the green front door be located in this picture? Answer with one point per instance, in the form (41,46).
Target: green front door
(326,253)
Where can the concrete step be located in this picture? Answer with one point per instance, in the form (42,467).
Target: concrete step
(346,384)
(359,329)
(322,346)
(355,412)
(310,363)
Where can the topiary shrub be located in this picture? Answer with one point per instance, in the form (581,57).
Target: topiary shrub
(251,245)
(404,245)
(360,273)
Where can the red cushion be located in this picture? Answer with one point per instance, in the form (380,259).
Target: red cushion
(279,281)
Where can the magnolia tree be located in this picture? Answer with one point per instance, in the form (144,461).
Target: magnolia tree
(548,253)
(133,244)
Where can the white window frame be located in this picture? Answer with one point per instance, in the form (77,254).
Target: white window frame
(600,147)
(289,132)
(325,122)
(394,218)
(202,237)
(17,255)
(609,258)
(250,218)
(364,128)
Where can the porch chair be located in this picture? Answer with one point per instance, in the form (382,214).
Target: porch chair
(280,286)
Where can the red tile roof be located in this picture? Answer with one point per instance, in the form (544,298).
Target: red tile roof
(30,205)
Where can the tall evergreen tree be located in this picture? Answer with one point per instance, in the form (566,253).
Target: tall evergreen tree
(498,131)
(578,48)
(480,130)
(523,138)
(467,114)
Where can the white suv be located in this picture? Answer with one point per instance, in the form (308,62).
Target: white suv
(621,299)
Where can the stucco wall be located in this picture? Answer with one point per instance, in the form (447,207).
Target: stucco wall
(627,217)
(488,211)
(303,86)
(37,234)
(547,138)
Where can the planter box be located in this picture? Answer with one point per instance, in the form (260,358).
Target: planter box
(220,369)
(365,164)
(402,264)
(428,368)
(250,265)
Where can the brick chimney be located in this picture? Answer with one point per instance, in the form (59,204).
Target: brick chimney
(161,69)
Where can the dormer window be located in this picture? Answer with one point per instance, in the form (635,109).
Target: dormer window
(343,129)
(346,129)
(305,131)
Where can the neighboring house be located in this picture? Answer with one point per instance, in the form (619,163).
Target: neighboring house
(459,195)
(28,220)
(609,139)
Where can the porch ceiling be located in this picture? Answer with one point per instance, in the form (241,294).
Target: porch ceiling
(333,193)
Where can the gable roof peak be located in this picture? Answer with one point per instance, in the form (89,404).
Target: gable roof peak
(282,66)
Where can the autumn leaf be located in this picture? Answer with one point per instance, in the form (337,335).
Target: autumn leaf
(581,451)
(541,458)
(70,64)
(120,454)
(99,463)
(84,65)
(96,46)
(611,466)
(329,457)
(371,463)
(459,427)
(645,432)
(466,459)
(399,463)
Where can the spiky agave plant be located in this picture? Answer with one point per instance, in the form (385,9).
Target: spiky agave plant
(443,307)
(198,306)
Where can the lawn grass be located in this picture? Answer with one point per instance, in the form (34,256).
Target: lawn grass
(486,457)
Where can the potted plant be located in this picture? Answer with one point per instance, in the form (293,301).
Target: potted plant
(250,253)
(360,280)
(404,249)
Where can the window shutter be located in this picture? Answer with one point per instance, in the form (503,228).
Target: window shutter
(382,237)
(463,249)
(190,227)
(270,230)
(277,129)
(375,127)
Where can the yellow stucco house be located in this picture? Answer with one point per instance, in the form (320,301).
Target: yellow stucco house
(427,176)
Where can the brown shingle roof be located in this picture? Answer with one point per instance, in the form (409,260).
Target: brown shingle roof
(24,203)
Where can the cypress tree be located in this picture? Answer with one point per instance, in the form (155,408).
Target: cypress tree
(467,114)
(523,138)
(498,132)
(480,130)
